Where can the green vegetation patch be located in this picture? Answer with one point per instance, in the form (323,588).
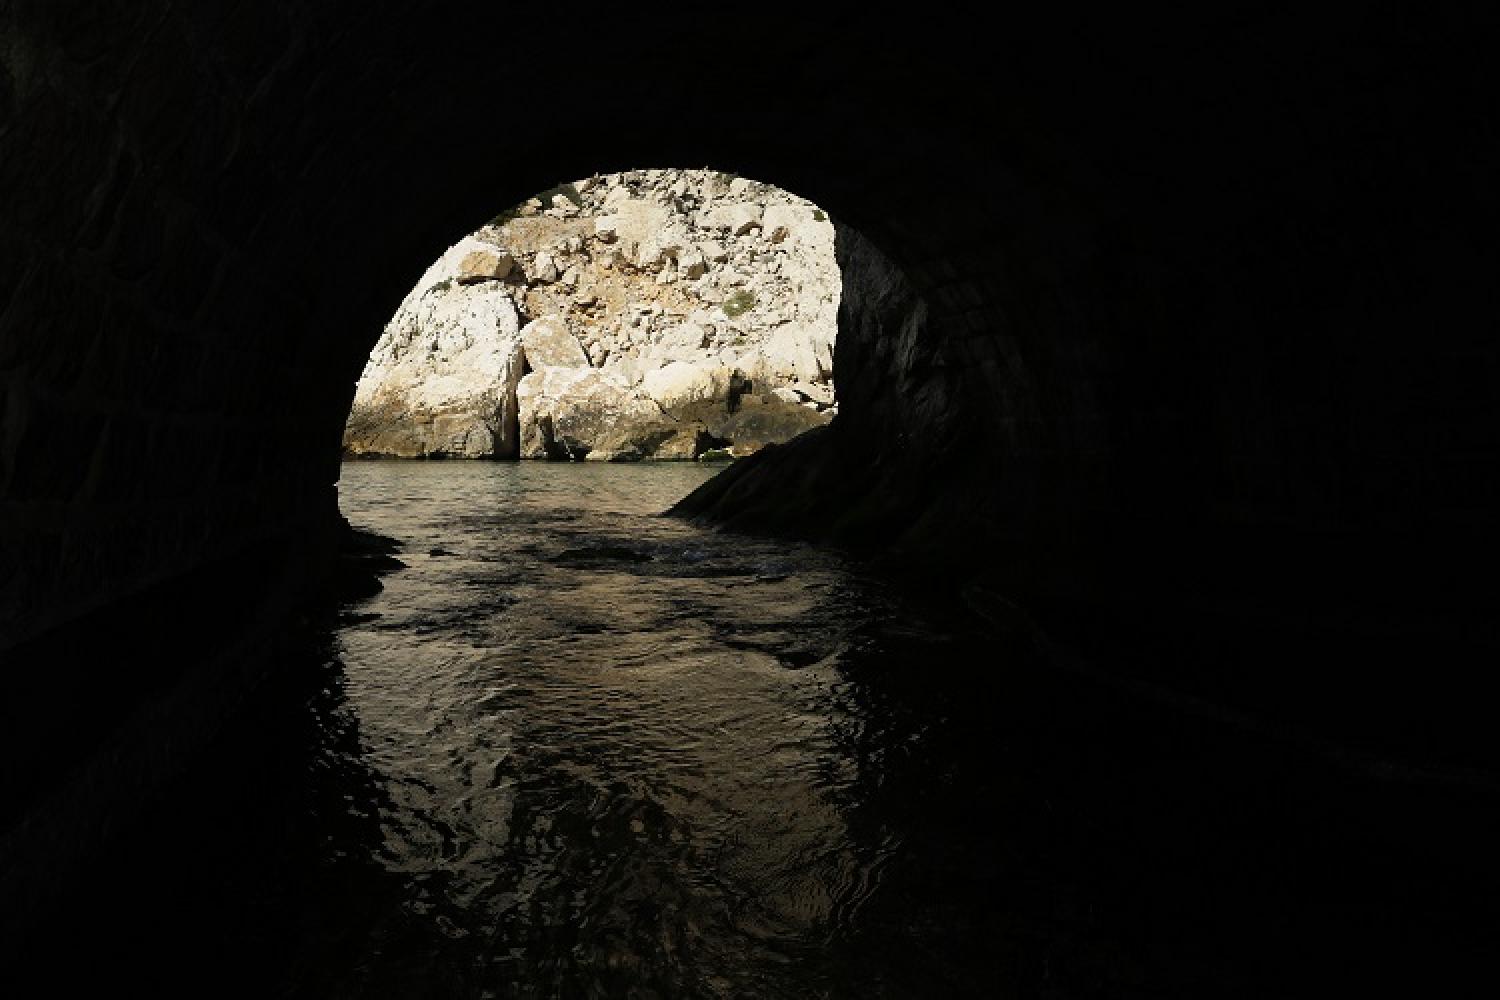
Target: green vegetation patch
(738,303)
(716,455)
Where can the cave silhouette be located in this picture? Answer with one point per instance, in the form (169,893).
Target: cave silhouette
(1177,333)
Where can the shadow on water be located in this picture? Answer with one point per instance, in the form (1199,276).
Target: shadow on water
(578,750)
(1064,837)
(227,880)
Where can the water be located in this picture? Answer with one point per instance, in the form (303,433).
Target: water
(576,749)
(611,748)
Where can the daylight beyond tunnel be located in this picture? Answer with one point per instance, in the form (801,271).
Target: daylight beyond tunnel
(652,314)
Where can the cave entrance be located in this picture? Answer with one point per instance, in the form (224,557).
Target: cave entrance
(660,314)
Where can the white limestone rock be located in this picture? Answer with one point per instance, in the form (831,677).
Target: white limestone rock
(635,221)
(691,265)
(573,413)
(799,224)
(627,283)
(484,265)
(543,269)
(737,217)
(792,353)
(682,383)
(441,380)
(818,392)
(548,343)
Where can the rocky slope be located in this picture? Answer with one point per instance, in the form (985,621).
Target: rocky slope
(649,314)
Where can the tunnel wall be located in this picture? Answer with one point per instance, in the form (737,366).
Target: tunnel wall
(1163,280)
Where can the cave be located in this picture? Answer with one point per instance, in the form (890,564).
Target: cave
(1165,350)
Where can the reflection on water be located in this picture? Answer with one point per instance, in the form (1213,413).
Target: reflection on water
(576,749)
(612,749)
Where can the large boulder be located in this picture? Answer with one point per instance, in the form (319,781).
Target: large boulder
(549,343)
(485,265)
(687,343)
(794,353)
(682,383)
(578,413)
(441,379)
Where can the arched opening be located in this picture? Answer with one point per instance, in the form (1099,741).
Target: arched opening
(588,748)
(1183,357)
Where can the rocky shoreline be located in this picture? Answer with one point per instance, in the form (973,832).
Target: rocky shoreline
(653,314)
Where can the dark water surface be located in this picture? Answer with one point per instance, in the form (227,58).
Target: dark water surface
(576,749)
(609,749)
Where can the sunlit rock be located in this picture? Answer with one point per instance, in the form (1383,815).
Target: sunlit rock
(442,378)
(547,342)
(682,383)
(543,269)
(484,265)
(739,219)
(578,413)
(689,291)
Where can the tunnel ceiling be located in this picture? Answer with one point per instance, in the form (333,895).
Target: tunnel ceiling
(1181,270)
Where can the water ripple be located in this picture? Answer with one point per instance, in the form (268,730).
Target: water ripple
(609,744)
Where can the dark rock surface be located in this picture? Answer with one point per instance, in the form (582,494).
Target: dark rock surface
(1188,323)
